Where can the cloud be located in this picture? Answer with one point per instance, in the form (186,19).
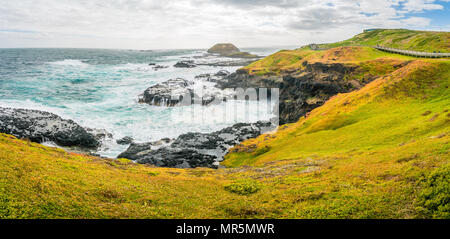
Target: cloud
(261,3)
(421,5)
(151,24)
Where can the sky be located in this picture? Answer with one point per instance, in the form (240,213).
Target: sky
(181,24)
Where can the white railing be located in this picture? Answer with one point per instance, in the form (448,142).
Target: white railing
(413,53)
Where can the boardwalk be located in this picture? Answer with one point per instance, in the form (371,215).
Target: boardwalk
(413,53)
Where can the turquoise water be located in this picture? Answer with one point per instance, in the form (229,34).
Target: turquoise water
(100,88)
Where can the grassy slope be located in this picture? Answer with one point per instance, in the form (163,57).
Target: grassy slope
(376,143)
(361,155)
(293,60)
(346,51)
(426,41)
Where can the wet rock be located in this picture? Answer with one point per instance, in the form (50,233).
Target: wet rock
(100,134)
(158,67)
(168,93)
(219,76)
(136,150)
(185,64)
(196,149)
(40,126)
(205,76)
(300,91)
(222,73)
(181,92)
(234,62)
(125,140)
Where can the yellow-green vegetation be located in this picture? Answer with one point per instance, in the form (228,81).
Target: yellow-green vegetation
(355,50)
(426,41)
(289,61)
(379,152)
(243,186)
(369,148)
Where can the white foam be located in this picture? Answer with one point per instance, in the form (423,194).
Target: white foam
(115,107)
(69,62)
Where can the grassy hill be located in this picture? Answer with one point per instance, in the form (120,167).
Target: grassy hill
(370,146)
(291,61)
(354,50)
(399,38)
(379,152)
(426,41)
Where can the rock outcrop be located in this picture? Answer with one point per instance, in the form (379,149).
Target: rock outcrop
(224,49)
(219,76)
(231,62)
(125,140)
(40,126)
(195,149)
(181,92)
(301,91)
(167,93)
(229,50)
(185,64)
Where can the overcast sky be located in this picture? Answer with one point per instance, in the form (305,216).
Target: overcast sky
(174,24)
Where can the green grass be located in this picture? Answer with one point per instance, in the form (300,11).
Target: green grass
(380,152)
(353,51)
(426,41)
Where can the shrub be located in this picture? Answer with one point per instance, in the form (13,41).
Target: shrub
(243,187)
(434,200)
(153,174)
(262,150)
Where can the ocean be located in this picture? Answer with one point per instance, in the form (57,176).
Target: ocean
(99,88)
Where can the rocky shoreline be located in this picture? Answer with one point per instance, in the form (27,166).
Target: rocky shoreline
(300,92)
(305,89)
(40,126)
(194,149)
(177,92)
(186,151)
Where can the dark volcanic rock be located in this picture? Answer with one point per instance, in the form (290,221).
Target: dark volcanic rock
(39,126)
(195,149)
(99,134)
(168,93)
(125,140)
(185,64)
(136,150)
(181,92)
(234,62)
(219,76)
(222,73)
(157,67)
(300,91)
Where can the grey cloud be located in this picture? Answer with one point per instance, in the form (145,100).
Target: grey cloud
(197,23)
(259,3)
